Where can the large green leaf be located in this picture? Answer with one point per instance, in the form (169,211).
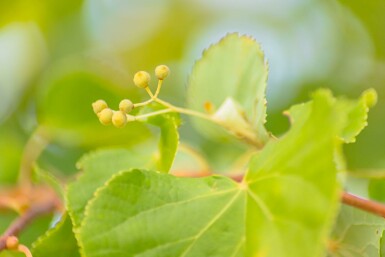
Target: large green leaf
(356,234)
(58,241)
(293,188)
(144,213)
(234,67)
(97,168)
(289,196)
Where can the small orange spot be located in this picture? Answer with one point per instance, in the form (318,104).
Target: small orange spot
(209,107)
(333,246)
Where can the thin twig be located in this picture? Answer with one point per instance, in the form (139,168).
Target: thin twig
(21,222)
(352,200)
(363,204)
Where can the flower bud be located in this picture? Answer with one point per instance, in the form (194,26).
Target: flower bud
(12,243)
(142,79)
(99,106)
(119,119)
(162,72)
(126,106)
(105,116)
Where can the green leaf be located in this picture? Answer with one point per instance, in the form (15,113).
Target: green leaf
(354,114)
(357,111)
(293,187)
(144,213)
(97,168)
(58,241)
(169,138)
(234,67)
(356,233)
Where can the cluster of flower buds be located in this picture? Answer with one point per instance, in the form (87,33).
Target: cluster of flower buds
(120,117)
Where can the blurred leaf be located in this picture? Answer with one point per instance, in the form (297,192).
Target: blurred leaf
(35,229)
(43,176)
(376,189)
(58,241)
(60,159)
(23,55)
(372,17)
(97,168)
(234,67)
(11,254)
(11,148)
(65,108)
(356,233)
(28,235)
(44,11)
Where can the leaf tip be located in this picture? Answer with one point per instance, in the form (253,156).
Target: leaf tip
(370,97)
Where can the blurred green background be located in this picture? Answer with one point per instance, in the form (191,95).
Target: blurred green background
(57,57)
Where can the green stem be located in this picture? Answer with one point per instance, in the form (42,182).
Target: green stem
(160,82)
(145,116)
(143,103)
(247,136)
(149,92)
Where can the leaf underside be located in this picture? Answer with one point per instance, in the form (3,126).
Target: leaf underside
(234,67)
(356,234)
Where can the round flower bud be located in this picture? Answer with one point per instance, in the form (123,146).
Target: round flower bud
(162,72)
(126,106)
(142,79)
(119,119)
(99,106)
(105,116)
(12,242)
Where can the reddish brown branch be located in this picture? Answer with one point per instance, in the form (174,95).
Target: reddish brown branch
(352,200)
(363,204)
(21,222)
